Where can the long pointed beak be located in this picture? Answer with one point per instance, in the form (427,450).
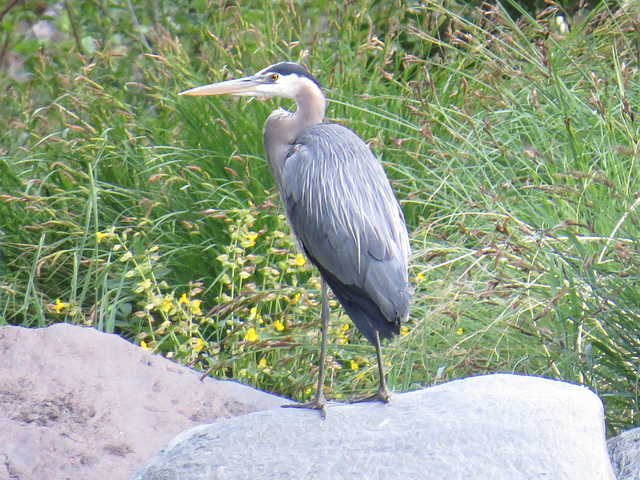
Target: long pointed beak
(240,86)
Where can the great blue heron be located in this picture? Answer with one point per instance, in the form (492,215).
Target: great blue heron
(339,204)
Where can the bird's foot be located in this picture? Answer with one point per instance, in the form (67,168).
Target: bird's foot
(382,395)
(315,404)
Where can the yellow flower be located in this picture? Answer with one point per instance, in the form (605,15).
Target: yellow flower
(279,325)
(344,328)
(460,331)
(420,276)
(142,286)
(294,299)
(354,366)
(195,307)
(404,330)
(144,345)
(262,363)
(197,344)
(299,260)
(100,236)
(251,335)
(251,239)
(183,299)
(60,305)
(166,304)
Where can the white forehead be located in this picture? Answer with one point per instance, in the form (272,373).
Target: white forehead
(287,86)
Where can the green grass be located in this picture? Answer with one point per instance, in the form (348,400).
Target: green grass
(511,145)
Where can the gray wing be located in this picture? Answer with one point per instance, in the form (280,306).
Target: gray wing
(342,210)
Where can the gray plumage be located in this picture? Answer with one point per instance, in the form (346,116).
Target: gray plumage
(343,211)
(339,203)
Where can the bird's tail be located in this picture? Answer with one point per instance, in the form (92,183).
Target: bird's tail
(362,310)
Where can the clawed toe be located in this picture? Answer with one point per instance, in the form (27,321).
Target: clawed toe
(316,404)
(382,395)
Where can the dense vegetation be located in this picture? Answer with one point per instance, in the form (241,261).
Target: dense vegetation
(510,140)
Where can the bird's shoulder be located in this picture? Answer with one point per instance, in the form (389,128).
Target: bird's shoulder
(336,192)
(330,128)
(333,137)
(329,150)
(343,211)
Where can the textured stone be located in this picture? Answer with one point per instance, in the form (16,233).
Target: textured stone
(79,404)
(492,427)
(625,454)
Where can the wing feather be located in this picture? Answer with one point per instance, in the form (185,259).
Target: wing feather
(342,210)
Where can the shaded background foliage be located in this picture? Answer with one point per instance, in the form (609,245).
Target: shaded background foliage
(508,132)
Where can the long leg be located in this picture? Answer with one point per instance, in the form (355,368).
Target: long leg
(320,401)
(324,317)
(383,394)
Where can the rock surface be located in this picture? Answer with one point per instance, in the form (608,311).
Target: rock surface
(625,454)
(492,427)
(79,404)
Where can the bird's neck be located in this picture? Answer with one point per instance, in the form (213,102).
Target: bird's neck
(283,128)
(310,106)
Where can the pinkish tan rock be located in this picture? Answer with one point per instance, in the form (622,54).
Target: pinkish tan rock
(79,404)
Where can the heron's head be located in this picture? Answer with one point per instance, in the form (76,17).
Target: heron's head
(284,79)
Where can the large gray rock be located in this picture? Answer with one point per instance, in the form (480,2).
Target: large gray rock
(492,427)
(79,404)
(625,454)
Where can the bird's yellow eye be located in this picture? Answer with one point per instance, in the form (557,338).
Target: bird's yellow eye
(274,77)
